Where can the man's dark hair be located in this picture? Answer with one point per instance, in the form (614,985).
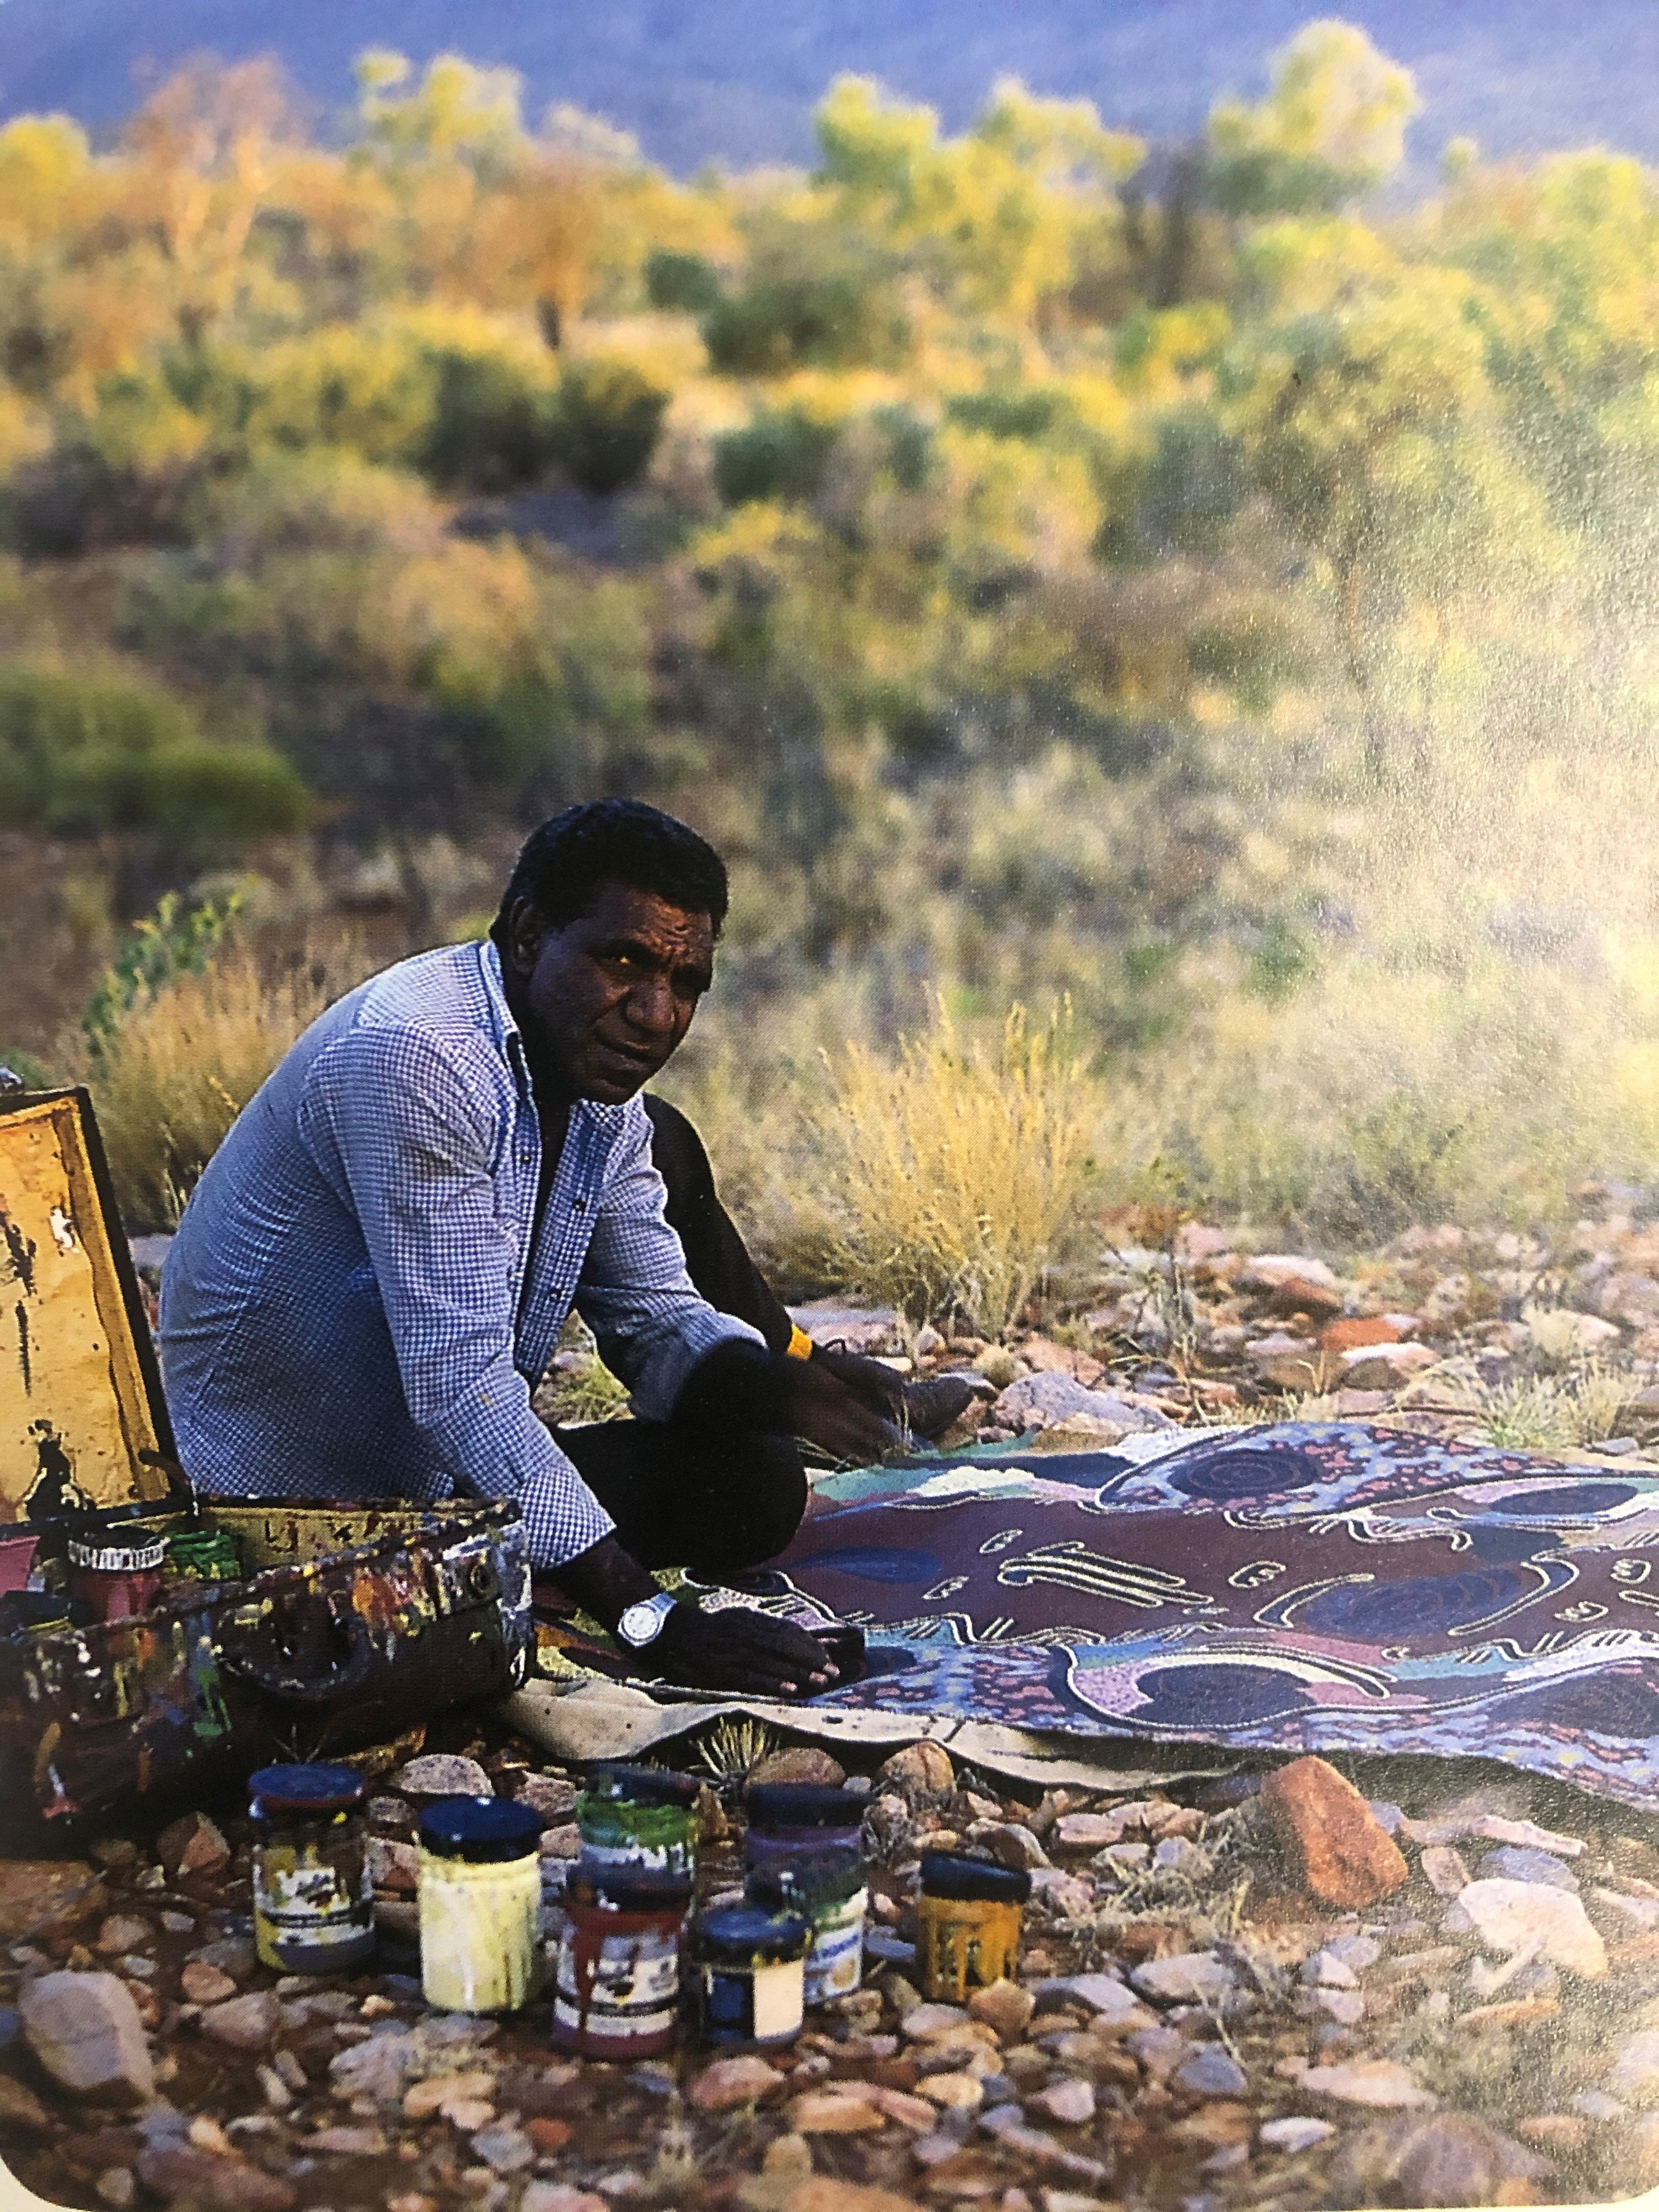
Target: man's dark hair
(613,840)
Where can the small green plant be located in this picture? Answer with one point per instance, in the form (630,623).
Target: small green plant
(732,1749)
(586,1394)
(176,940)
(1548,1412)
(780,454)
(960,1170)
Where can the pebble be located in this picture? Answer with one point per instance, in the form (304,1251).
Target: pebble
(1344,1853)
(925,2020)
(192,1845)
(1087,1831)
(1188,1978)
(178,2170)
(801,1762)
(246,2023)
(729,2083)
(422,2099)
(1445,1870)
(1295,2134)
(45,1897)
(1211,2072)
(1010,1842)
(442,1774)
(1448,2158)
(376,2068)
(559,2197)
(1104,1994)
(830,2112)
(923,1767)
(1005,2006)
(347,2142)
(234,1955)
(122,1931)
(954,2093)
(116,2186)
(1530,1920)
(204,1985)
(552,1797)
(1072,2102)
(1634,2074)
(85,2031)
(21,2108)
(1176,1855)
(1378,2082)
(505,2147)
(1517,1862)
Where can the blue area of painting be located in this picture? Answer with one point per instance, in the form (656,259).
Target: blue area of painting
(1567,1501)
(1429,1605)
(1225,1695)
(1085,1470)
(1244,1473)
(1499,1547)
(889,1659)
(1615,1701)
(885,1563)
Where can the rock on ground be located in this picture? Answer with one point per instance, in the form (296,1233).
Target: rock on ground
(86,2032)
(1346,1855)
(192,1845)
(1450,2157)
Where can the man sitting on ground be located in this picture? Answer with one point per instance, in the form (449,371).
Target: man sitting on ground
(374,1269)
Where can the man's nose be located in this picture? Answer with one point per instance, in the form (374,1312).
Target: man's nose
(650,1005)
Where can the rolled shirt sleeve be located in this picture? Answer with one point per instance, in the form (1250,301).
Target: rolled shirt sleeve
(411,1144)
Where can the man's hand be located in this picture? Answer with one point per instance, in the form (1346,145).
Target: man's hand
(846,1417)
(738,1649)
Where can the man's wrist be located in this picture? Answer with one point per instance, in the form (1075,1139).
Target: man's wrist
(604,1580)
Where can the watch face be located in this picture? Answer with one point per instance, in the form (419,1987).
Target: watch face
(641,1623)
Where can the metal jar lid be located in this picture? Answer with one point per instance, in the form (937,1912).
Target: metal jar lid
(775,1806)
(118,1559)
(481,1830)
(310,1787)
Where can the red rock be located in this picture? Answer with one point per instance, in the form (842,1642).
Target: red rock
(178,2170)
(1045,1357)
(192,1845)
(245,2023)
(925,1766)
(728,2082)
(47,1896)
(1296,1294)
(1345,1856)
(549,2136)
(203,1985)
(1343,1335)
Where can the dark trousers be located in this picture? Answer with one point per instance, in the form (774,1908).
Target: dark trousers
(677,1501)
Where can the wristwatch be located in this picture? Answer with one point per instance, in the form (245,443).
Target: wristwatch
(642,1623)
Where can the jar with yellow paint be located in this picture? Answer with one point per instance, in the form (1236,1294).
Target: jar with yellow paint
(313,1897)
(480,1888)
(968,1923)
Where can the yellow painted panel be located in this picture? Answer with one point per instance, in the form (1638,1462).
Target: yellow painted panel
(74,1416)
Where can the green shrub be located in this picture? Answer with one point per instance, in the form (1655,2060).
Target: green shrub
(1028,414)
(833,320)
(780,453)
(492,427)
(681,282)
(86,753)
(606,421)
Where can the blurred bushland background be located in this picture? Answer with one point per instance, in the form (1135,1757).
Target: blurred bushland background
(1166,635)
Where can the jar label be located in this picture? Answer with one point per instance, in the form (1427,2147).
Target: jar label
(835,1965)
(300,1898)
(635,1984)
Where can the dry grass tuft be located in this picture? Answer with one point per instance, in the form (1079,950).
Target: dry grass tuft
(958,1173)
(184,1061)
(1548,1412)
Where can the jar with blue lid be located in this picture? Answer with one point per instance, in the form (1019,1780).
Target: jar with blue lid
(827,1888)
(480,1888)
(314,1906)
(748,1976)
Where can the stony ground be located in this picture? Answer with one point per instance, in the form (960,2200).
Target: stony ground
(1260,1991)
(1269,1989)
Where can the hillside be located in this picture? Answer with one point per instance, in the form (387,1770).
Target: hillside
(734,79)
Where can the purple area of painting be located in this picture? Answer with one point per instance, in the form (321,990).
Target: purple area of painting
(1330,1587)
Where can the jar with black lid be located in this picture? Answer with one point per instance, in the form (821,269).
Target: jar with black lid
(313,1893)
(480,1900)
(639,1816)
(826,1887)
(748,1975)
(968,1923)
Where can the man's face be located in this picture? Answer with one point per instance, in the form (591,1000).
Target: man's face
(605,999)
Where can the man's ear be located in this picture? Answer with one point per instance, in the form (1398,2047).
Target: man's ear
(525,932)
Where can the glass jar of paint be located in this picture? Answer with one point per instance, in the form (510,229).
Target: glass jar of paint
(827,1888)
(117,1575)
(748,1976)
(644,1817)
(617,1970)
(480,1892)
(968,1924)
(313,1902)
(787,1819)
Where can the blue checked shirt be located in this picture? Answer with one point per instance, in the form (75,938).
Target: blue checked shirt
(351,1308)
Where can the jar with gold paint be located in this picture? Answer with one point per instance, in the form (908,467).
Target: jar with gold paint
(968,1924)
(480,1890)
